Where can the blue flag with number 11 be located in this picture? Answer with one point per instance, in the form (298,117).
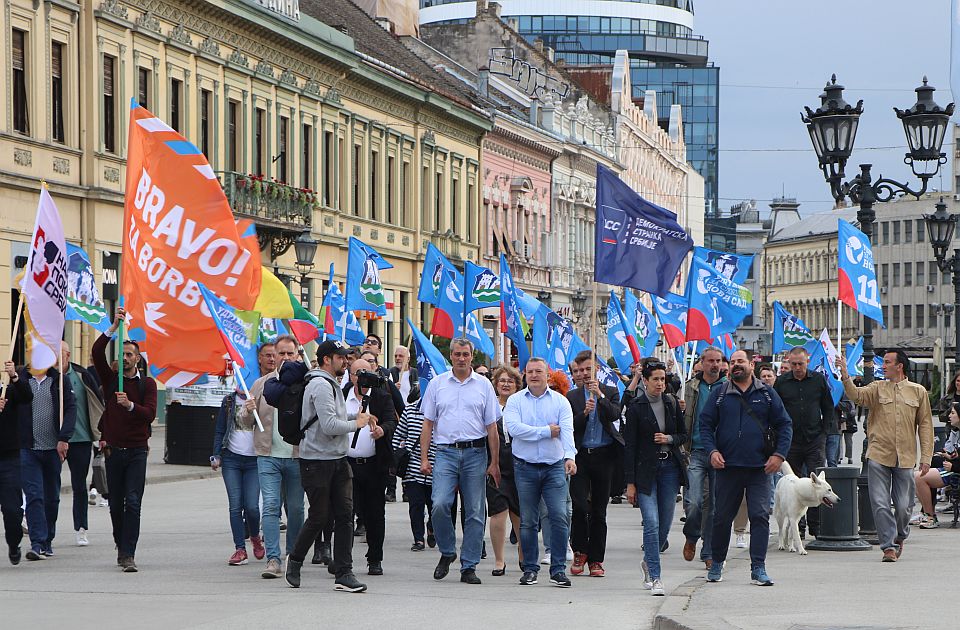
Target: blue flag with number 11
(857,276)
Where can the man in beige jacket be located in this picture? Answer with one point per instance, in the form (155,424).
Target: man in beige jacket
(899,415)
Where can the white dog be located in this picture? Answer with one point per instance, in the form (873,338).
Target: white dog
(791,501)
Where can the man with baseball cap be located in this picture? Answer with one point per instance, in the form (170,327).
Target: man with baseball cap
(324,469)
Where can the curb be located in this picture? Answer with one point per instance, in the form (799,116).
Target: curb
(672,614)
(186,476)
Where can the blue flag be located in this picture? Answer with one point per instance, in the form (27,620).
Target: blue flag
(621,336)
(543,331)
(565,344)
(430,361)
(448,318)
(724,342)
(672,314)
(608,377)
(878,373)
(335,320)
(238,330)
(854,354)
(364,289)
(820,364)
(638,244)
(734,267)
(789,331)
(717,303)
(857,277)
(643,324)
(477,334)
(510,316)
(432,275)
(481,287)
(83,298)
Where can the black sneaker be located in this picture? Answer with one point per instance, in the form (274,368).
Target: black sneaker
(560,579)
(443,567)
(348,583)
(375,568)
(128,565)
(14,555)
(292,572)
(417,546)
(469,576)
(359,530)
(33,554)
(528,578)
(431,540)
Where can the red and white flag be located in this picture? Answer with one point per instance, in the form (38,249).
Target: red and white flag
(44,286)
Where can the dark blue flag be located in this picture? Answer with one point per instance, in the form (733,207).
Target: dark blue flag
(638,244)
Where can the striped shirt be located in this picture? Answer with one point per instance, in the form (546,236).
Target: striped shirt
(44,415)
(407,435)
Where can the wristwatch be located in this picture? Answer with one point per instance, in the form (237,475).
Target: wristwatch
(214,459)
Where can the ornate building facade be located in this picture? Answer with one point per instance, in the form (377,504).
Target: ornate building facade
(315,118)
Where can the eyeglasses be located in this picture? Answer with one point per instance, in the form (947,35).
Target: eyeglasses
(372,342)
(656,366)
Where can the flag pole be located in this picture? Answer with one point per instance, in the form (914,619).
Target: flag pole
(120,351)
(243,385)
(839,326)
(13,339)
(60,363)
(593,328)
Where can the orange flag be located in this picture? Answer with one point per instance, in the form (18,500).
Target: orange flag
(179,232)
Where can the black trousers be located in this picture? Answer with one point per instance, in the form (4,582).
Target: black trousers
(10,500)
(590,493)
(805,458)
(126,478)
(369,487)
(419,496)
(329,488)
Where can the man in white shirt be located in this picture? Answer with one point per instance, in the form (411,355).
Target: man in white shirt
(540,423)
(402,373)
(460,411)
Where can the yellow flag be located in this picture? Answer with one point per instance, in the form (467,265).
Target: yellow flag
(274,300)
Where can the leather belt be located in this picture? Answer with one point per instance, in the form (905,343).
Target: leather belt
(478,443)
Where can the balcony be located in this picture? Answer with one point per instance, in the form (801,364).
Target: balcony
(448,243)
(281,212)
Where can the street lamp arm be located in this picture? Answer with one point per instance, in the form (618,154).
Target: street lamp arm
(885,188)
(862,188)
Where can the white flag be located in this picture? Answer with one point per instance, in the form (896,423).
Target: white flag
(829,349)
(44,286)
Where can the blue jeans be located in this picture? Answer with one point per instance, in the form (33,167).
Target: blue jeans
(463,468)
(10,498)
(657,511)
(549,483)
(241,478)
(126,478)
(699,510)
(40,471)
(78,459)
(833,450)
(545,529)
(274,473)
(732,483)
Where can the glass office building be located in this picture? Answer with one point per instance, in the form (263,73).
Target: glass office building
(665,56)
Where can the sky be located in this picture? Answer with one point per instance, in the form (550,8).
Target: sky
(879,49)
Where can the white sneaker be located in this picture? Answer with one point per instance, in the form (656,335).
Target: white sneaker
(569,553)
(82,538)
(657,587)
(741,541)
(647,582)
(103,503)
(546,558)
(92,498)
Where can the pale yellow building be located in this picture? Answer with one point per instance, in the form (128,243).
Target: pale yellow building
(367,140)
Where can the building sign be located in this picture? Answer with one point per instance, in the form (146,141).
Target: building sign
(530,80)
(286,8)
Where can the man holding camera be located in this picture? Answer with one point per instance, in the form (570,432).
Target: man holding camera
(370,455)
(324,470)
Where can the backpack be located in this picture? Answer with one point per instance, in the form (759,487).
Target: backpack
(290,411)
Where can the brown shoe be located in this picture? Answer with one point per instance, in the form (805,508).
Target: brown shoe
(899,543)
(127,565)
(689,550)
(709,563)
(272,570)
(889,555)
(579,560)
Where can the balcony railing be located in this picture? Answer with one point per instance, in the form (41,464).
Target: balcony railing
(269,203)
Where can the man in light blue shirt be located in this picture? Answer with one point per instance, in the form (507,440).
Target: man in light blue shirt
(460,413)
(540,423)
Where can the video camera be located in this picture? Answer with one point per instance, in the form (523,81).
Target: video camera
(368,378)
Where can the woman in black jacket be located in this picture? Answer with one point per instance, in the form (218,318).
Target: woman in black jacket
(654,464)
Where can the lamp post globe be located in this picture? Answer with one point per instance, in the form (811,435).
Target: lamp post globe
(833,129)
(306,250)
(925,125)
(579,303)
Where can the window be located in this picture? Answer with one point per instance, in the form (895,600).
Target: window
(143,87)
(259,141)
(374,189)
(885,230)
(920,320)
(455,205)
(920,267)
(283,145)
(21,117)
(933,273)
(907,274)
(472,209)
(883,313)
(907,316)
(896,317)
(356,180)
(921,231)
(896,274)
(437,200)
(908,231)
(306,144)
(56,91)
(896,232)
(328,168)
(405,192)
(233,129)
(391,189)
(109,105)
(176,93)
(932,318)
(885,274)
(205,98)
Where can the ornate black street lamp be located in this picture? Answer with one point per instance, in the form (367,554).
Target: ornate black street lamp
(833,129)
(579,304)
(544,297)
(940,228)
(305,248)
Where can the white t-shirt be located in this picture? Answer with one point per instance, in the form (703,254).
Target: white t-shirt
(366,447)
(404,384)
